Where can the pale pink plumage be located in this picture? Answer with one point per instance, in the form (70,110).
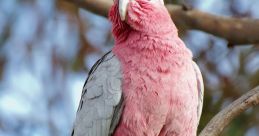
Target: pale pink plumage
(159,82)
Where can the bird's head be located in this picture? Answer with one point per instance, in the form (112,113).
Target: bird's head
(144,16)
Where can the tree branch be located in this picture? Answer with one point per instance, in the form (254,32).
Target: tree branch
(235,30)
(223,118)
(100,7)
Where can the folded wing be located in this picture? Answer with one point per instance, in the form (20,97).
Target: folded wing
(200,87)
(100,107)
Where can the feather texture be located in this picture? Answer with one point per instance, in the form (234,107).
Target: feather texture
(152,69)
(160,87)
(200,88)
(101,99)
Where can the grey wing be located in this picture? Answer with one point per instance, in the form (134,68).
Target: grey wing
(200,87)
(100,107)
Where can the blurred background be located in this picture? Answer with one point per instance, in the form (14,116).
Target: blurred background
(48,46)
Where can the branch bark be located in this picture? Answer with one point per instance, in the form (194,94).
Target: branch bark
(223,118)
(236,31)
(99,7)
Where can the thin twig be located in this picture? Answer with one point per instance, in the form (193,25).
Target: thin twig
(223,118)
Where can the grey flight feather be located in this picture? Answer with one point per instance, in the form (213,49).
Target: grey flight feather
(200,87)
(101,102)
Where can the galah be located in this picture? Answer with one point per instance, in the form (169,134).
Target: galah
(148,85)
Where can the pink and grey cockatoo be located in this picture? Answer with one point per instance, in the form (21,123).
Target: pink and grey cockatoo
(148,84)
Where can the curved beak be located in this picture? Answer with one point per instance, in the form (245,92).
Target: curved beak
(123,8)
(162,2)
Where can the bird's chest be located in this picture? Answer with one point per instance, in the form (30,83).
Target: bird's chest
(150,85)
(151,92)
(153,86)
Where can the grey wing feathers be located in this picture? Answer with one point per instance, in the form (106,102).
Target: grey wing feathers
(200,87)
(101,101)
